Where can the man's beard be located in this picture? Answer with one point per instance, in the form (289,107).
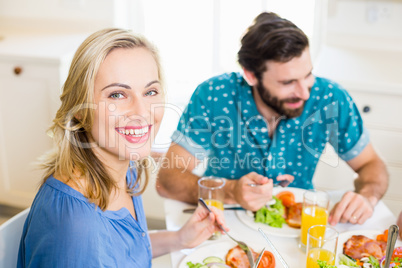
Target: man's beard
(279,105)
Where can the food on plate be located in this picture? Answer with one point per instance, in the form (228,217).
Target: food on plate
(397,253)
(383,237)
(273,215)
(293,215)
(211,262)
(361,251)
(359,246)
(284,210)
(346,262)
(236,258)
(287,198)
(267,260)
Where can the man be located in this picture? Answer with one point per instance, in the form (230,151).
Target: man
(271,124)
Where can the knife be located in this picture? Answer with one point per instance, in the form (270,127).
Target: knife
(276,253)
(226,207)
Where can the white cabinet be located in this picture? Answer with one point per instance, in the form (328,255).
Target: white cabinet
(30,85)
(25,114)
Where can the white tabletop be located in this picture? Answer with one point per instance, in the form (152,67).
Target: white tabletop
(288,247)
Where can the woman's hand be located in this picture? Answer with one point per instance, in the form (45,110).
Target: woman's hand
(196,230)
(200,227)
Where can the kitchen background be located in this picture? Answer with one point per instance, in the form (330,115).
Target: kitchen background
(358,43)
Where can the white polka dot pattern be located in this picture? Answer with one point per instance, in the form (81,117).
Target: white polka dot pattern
(221,122)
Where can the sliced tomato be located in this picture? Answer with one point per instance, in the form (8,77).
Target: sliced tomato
(397,253)
(267,260)
(287,198)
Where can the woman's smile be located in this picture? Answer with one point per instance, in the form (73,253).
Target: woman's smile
(135,134)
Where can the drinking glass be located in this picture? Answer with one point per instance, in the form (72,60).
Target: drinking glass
(322,241)
(314,212)
(211,190)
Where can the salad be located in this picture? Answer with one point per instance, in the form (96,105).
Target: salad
(366,262)
(272,215)
(284,210)
(235,257)
(211,262)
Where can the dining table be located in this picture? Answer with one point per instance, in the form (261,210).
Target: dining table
(288,247)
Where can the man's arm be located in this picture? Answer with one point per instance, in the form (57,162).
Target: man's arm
(175,178)
(372,180)
(370,186)
(176,181)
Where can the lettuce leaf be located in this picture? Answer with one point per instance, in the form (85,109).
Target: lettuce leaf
(272,215)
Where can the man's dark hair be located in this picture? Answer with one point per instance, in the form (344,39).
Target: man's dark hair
(270,38)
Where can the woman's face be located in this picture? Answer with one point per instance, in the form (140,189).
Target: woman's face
(129,104)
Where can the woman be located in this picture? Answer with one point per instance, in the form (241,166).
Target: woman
(88,211)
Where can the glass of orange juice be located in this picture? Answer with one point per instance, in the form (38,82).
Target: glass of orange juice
(211,190)
(315,212)
(322,241)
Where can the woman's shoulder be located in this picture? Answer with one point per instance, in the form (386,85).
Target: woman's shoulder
(59,203)
(59,218)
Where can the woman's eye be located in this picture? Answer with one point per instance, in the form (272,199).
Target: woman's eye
(116,95)
(151,93)
(287,83)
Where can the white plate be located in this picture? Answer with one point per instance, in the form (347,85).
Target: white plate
(285,231)
(343,237)
(220,249)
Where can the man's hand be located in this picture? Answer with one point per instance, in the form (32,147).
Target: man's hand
(353,208)
(252,197)
(399,223)
(285,177)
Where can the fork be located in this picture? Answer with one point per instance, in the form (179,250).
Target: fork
(259,258)
(282,184)
(241,244)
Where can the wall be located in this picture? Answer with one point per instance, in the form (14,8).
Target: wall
(365,23)
(70,15)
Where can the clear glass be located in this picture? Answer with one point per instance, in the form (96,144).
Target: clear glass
(322,242)
(211,190)
(315,212)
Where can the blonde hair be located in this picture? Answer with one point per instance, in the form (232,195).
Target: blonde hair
(73,122)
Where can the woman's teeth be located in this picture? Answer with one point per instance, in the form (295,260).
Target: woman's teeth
(134,132)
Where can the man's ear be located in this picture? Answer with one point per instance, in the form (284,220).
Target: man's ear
(250,77)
